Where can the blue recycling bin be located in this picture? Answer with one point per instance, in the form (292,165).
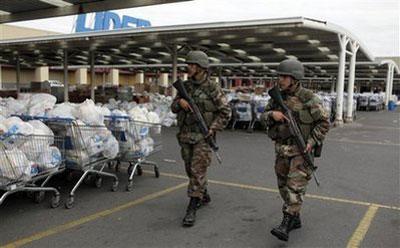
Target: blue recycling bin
(392,106)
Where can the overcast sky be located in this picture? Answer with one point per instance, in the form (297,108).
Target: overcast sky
(375,22)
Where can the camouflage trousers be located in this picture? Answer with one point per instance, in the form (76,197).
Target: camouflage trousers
(197,158)
(292,178)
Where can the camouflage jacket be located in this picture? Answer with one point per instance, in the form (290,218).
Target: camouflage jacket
(213,105)
(311,117)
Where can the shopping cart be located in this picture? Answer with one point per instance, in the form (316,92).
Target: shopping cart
(28,163)
(137,142)
(243,113)
(83,151)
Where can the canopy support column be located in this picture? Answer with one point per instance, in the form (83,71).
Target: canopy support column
(343,40)
(92,76)
(18,75)
(174,67)
(65,78)
(389,84)
(354,46)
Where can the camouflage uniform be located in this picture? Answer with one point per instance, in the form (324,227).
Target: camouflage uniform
(195,151)
(313,122)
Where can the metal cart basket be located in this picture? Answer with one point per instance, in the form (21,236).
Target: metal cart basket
(28,160)
(137,142)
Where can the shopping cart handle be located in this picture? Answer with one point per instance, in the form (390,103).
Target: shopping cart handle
(115,117)
(43,118)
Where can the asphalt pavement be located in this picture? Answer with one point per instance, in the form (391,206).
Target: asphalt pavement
(357,204)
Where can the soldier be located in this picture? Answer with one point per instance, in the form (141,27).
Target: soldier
(313,121)
(195,151)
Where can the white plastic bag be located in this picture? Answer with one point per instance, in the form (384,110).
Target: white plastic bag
(146,146)
(15,125)
(94,145)
(88,113)
(40,103)
(138,114)
(50,158)
(39,128)
(117,112)
(103,110)
(39,143)
(111,147)
(4,112)
(63,110)
(16,107)
(14,165)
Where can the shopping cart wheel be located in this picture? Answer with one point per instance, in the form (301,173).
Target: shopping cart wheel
(55,201)
(156,172)
(129,187)
(114,186)
(139,170)
(70,202)
(38,197)
(98,182)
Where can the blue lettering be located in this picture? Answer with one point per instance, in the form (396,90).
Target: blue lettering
(111,17)
(80,24)
(143,23)
(99,21)
(126,20)
(109,20)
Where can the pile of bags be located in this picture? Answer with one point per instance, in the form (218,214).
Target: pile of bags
(26,149)
(27,104)
(91,116)
(91,142)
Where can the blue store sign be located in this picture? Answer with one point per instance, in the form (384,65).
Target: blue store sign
(109,20)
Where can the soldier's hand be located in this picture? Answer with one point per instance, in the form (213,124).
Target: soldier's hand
(279,116)
(211,133)
(185,105)
(308,148)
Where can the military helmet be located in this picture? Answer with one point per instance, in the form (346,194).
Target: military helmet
(291,67)
(197,57)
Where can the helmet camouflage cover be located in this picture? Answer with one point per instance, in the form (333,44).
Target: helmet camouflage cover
(197,57)
(291,67)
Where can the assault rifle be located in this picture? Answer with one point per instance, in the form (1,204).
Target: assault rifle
(178,85)
(294,131)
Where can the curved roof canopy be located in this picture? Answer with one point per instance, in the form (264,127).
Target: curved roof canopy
(243,48)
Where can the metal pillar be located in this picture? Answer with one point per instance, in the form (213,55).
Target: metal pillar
(389,84)
(1,82)
(65,64)
(92,76)
(343,40)
(174,67)
(18,82)
(332,85)
(354,46)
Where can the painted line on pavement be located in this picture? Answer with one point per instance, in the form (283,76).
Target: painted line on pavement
(253,187)
(362,229)
(86,219)
(363,142)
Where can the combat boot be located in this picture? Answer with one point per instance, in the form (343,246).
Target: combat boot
(205,200)
(296,222)
(282,231)
(190,216)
